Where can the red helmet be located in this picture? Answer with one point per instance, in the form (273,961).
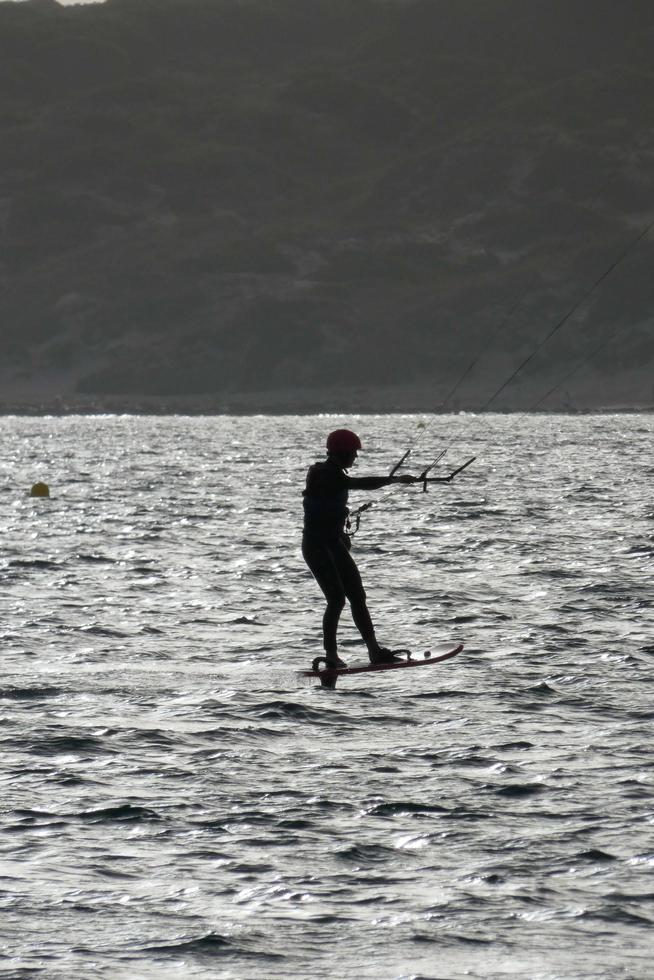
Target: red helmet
(343,441)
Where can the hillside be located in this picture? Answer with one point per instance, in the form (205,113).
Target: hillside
(325,204)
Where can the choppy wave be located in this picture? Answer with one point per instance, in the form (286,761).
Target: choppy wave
(178,802)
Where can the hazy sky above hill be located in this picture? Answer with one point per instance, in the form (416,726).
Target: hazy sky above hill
(69,3)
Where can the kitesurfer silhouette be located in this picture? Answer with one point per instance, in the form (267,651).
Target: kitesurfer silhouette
(326,544)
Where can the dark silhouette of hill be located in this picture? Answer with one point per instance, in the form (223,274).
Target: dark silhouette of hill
(325,203)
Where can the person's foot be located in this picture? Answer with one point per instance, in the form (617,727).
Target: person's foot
(335,662)
(384,656)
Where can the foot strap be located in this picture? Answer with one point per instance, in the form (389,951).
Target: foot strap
(388,656)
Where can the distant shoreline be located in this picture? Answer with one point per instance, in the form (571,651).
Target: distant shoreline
(364,399)
(174,407)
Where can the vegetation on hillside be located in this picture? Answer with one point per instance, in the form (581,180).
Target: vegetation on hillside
(223,197)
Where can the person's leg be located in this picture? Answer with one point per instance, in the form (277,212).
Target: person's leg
(323,568)
(356,595)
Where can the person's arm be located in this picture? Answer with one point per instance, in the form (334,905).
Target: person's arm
(377,482)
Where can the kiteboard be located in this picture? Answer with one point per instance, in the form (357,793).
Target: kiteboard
(329,675)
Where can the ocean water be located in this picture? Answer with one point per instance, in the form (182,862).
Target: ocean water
(178,803)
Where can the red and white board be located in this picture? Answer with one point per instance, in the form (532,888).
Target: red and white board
(329,675)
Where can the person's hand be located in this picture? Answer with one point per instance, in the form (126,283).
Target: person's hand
(407,478)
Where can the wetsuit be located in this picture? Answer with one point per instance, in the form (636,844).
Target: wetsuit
(326,547)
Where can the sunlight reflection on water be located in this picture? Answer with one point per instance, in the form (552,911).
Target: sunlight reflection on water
(166,767)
